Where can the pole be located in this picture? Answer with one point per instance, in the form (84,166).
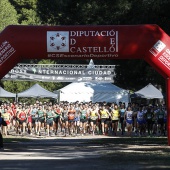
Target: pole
(168,108)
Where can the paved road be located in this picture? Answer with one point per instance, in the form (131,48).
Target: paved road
(73,153)
(52,154)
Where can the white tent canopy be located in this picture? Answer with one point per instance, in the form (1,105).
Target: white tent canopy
(37,91)
(4,93)
(149,92)
(95,92)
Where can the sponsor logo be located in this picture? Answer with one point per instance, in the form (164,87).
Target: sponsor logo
(108,78)
(60,78)
(57,41)
(99,78)
(157,48)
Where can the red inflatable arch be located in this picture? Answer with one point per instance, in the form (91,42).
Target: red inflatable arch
(148,42)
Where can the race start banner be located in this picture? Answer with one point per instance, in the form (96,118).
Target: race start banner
(61,73)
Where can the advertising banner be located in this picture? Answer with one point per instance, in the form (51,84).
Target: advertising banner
(62,73)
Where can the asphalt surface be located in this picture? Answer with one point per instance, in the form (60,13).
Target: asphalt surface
(52,153)
(71,153)
(77,152)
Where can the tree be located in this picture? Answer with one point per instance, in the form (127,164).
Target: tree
(8,14)
(99,12)
(26,9)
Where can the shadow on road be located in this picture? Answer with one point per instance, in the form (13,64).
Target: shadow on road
(98,153)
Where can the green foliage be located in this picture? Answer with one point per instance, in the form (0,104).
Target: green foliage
(26,10)
(135,74)
(131,74)
(8,14)
(78,12)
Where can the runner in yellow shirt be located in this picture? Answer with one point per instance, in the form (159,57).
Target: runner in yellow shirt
(7,117)
(93,118)
(104,115)
(115,118)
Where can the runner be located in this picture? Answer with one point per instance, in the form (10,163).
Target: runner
(22,116)
(141,121)
(93,119)
(71,119)
(6,117)
(135,109)
(83,119)
(77,119)
(57,119)
(165,120)
(161,115)
(64,117)
(29,120)
(155,120)
(49,120)
(34,116)
(18,108)
(128,116)
(1,137)
(104,115)
(122,119)
(115,118)
(41,119)
(14,111)
(9,110)
(149,117)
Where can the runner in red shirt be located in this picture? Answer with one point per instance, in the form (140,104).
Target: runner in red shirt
(22,117)
(29,120)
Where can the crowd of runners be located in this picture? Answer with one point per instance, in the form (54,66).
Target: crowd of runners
(82,118)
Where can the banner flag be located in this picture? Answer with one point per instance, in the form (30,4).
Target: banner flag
(61,73)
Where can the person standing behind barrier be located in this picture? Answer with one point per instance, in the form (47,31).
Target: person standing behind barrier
(122,117)
(128,116)
(115,118)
